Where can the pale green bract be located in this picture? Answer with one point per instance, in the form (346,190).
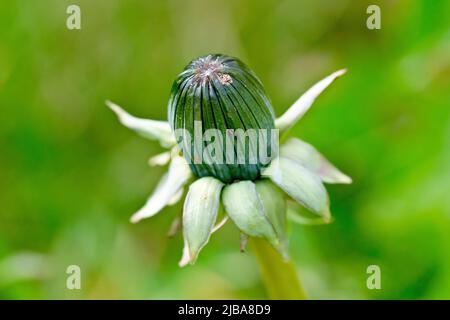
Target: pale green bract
(274,203)
(306,155)
(300,184)
(199,215)
(290,188)
(244,206)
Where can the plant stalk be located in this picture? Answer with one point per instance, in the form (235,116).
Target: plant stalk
(279,277)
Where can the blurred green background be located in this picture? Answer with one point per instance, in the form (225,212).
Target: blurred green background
(71,175)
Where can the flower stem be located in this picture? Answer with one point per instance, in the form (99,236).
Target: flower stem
(279,276)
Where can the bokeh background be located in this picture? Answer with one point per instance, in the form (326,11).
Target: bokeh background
(71,175)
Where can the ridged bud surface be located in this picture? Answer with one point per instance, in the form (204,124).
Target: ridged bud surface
(220,92)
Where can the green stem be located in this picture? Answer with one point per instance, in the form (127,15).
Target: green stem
(279,276)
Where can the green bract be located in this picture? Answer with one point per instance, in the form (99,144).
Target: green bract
(220,92)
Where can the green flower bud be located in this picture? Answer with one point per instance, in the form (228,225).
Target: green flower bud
(222,119)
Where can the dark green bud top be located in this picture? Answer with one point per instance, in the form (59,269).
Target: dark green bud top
(222,119)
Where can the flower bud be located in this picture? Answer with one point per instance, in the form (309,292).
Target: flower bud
(222,119)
